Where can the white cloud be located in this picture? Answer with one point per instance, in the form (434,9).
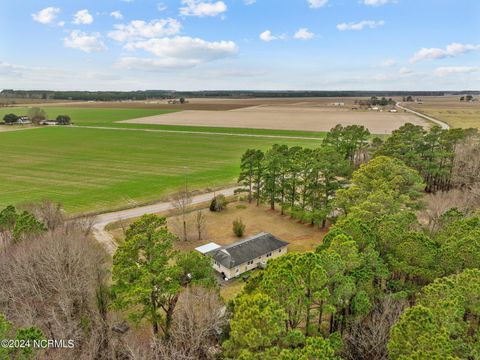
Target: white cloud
(116,15)
(451,50)
(404,71)
(148,64)
(202,8)
(376,2)
(46,16)
(449,70)
(83,17)
(267,36)
(388,63)
(161,6)
(315,4)
(137,29)
(181,51)
(61,23)
(372,24)
(304,34)
(249,2)
(84,42)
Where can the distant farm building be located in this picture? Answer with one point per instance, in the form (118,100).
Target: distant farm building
(23,120)
(48,122)
(338,104)
(244,255)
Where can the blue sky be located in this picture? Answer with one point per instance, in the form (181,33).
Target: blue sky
(240,44)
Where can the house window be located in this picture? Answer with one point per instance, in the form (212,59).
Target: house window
(237,270)
(269,254)
(279,250)
(250,262)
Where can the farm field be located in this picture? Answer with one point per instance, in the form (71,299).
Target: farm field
(92,170)
(451,110)
(110,117)
(302,116)
(87,116)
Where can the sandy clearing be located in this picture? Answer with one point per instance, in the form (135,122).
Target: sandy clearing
(285,118)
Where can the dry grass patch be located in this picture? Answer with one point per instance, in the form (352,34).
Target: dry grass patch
(218,227)
(458,114)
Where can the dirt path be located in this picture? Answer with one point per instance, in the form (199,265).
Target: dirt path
(440,123)
(102,220)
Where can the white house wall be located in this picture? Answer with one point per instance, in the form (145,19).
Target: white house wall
(239,270)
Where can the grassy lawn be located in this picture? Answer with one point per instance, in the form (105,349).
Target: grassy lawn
(91,170)
(109,116)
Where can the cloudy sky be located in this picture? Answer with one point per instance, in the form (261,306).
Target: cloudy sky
(240,44)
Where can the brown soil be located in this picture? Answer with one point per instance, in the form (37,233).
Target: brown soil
(298,116)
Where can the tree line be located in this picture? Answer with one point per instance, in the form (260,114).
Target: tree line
(303,181)
(166,94)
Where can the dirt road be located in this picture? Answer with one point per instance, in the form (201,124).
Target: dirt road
(102,220)
(440,123)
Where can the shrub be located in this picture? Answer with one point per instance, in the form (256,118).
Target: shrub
(241,206)
(10,118)
(63,120)
(238,227)
(219,203)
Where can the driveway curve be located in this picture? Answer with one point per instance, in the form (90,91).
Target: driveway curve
(101,221)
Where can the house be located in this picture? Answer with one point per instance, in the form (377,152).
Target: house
(393,110)
(23,120)
(48,122)
(338,104)
(247,254)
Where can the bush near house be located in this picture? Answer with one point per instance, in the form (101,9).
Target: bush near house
(238,227)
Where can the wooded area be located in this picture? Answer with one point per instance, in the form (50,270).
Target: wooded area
(396,276)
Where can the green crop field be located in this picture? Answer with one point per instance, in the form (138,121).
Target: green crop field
(109,117)
(92,170)
(89,116)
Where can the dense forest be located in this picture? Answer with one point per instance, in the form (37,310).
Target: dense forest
(167,94)
(397,275)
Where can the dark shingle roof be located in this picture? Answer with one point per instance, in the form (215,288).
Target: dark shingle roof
(245,250)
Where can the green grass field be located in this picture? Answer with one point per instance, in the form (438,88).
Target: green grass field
(92,170)
(109,117)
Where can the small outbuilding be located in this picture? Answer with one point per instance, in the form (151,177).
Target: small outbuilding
(247,254)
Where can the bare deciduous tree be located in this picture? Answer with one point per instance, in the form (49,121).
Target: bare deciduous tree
(439,203)
(368,339)
(200,223)
(47,212)
(181,202)
(57,283)
(466,169)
